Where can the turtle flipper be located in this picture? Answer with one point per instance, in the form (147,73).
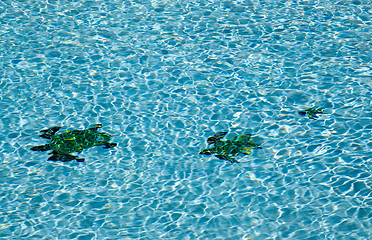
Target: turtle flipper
(252,145)
(41,148)
(216,137)
(56,156)
(95,126)
(243,138)
(48,133)
(226,157)
(110,145)
(247,150)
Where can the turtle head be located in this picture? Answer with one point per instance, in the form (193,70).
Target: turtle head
(41,148)
(216,137)
(206,152)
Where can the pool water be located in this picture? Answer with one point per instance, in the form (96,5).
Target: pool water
(163,76)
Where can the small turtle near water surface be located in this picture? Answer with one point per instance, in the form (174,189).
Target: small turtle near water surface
(73,141)
(223,149)
(311,112)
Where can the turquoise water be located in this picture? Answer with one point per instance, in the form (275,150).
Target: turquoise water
(163,76)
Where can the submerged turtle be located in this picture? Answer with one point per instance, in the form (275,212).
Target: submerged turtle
(222,149)
(73,141)
(311,112)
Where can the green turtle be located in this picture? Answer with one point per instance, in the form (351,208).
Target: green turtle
(223,149)
(311,112)
(73,141)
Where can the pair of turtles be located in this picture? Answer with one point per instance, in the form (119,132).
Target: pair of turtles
(77,140)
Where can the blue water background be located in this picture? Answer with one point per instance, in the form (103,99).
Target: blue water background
(165,75)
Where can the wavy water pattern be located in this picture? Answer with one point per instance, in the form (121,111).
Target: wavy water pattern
(163,76)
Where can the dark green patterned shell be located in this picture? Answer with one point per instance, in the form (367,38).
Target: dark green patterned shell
(78,140)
